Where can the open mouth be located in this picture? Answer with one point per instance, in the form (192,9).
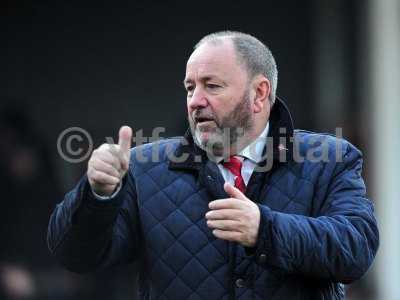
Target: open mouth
(201,120)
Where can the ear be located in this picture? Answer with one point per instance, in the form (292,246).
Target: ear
(262,89)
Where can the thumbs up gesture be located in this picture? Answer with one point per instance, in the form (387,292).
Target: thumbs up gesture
(234,219)
(109,163)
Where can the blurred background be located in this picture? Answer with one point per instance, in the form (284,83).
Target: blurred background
(102,65)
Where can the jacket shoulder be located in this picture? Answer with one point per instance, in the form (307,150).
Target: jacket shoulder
(149,155)
(326,146)
(318,156)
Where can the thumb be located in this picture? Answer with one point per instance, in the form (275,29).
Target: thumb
(125,138)
(124,142)
(233,191)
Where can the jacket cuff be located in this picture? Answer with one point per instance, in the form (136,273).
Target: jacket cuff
(90,200)
(262,249)
(105,198)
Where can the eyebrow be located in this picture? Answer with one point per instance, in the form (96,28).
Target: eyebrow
(204,78)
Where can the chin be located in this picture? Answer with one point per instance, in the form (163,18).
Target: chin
(210,142)
(202,137)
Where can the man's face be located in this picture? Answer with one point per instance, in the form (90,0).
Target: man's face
(218,97)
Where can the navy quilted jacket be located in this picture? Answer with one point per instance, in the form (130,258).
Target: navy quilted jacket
(317,228)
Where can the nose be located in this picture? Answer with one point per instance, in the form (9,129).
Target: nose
(197,100)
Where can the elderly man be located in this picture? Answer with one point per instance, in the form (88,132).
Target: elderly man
(242,207)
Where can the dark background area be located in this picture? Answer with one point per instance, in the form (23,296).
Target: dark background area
(78,65)
(102,65)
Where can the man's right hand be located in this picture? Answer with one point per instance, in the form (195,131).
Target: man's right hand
(109,163)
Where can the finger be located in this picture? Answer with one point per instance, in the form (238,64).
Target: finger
(225,203)
(109,157)
(121,158)
(125,139)
(103,178)
(234,192)
(232,236)
(229,225)
(104,167)
(223,214)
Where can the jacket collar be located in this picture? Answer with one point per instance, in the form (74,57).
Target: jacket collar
(279,139)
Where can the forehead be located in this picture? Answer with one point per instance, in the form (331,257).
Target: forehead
(218,60)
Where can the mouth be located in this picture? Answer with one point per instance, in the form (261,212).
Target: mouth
(202,120)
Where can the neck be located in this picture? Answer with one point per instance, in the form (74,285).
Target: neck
(247,138)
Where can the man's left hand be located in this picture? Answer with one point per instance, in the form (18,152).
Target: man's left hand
(234,219)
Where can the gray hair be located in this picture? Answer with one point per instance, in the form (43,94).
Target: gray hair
(255,55)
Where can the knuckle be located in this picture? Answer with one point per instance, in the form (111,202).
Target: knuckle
(91,159)
(93,155)
(96,164)
(241,226)
(95,175)
(113,171)
(101,148)
(247,214)
(95,151)
(113,147)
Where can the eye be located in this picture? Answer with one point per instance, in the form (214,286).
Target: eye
(213,86)
(189,90)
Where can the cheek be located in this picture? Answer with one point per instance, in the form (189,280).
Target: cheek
(219,104)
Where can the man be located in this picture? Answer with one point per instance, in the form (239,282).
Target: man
(241,207)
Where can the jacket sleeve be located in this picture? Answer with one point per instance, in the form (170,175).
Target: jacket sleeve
(85,233)
(339,244)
